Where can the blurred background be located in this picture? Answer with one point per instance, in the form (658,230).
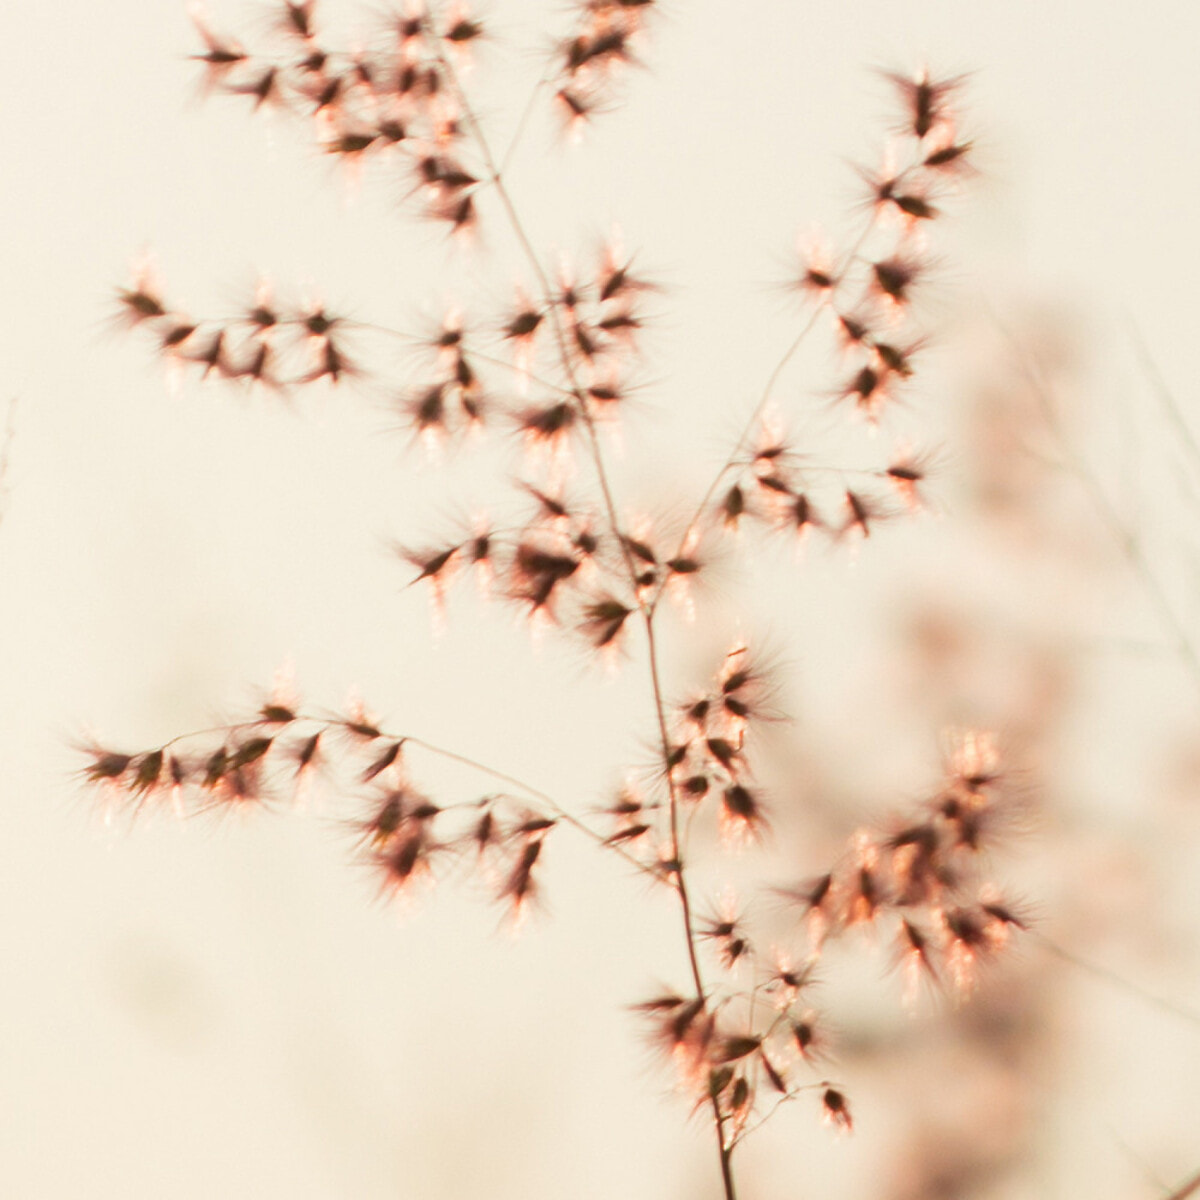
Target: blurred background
(226,1008)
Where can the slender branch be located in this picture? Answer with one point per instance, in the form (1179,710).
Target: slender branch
(552,806)
(563,814)
(1166,398)
(685,905)
(754,1126)
(490,359)
(741,445)
(1125,538)
(725,1147)
(496,179)
(522,123)
(673,791)
(1189,1188)
(1191,1016)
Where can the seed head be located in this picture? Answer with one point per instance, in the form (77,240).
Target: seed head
(211,355)
(264,88)
(741,813)
(925,99)
(547,425)
(852,329)
(867,389)
(836,1110)
(805,1037)
(221,55)
(604,619)
(861,513)
(296,20)
(892,278)
(906,473)
(351,143)
(523,324)
(463,30)
(107,766)
(950,157)
(519,887)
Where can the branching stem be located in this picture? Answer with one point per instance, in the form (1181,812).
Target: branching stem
(1126,538)
(647,607)
(551,806)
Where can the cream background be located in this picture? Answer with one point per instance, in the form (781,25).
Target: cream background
(199,1012)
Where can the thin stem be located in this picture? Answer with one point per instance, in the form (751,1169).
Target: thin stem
(726,1155)
(673,792)
(725,1148)
(563,814)
(741,445)
(1191,1016)
(851,257)
(756,1125)
(522,124)
(1166,398)
(552,806)
(575,388)
(1186,1189)
(1125,538)
(491,359)
(352,323)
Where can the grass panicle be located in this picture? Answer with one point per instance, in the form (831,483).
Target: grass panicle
(552,369)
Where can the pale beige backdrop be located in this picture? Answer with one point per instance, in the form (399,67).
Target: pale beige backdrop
(200,1011)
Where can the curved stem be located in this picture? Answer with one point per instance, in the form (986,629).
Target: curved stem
(1191,1016)
(1189,1188)
(553,807)
(740,445)
(725,1148)
(490,359)
(1125,537)
(522,123)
